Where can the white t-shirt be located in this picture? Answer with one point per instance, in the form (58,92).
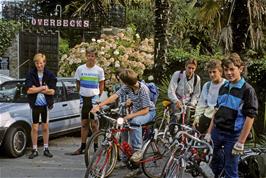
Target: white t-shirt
(89,79)
(40,100)
(208,99)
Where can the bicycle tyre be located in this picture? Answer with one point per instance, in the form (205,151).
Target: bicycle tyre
(103,162)
(173,169)
(89,150)
(157,150)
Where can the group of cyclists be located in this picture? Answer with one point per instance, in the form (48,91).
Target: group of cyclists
(225,108)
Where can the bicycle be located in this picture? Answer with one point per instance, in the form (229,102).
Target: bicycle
(104,159)
(243,165)
(170,129)
(188,152)
(158,152)
(92,142)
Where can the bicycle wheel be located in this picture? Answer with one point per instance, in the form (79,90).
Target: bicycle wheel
(155,155)
(173,168)
(103,161)
(96,138)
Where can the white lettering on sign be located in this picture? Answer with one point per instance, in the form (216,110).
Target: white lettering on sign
(39,21)
(33,21)
(65,23)
(86,23)
(58,23)
(52,22)
(72,23)
(45,22)
(79,23)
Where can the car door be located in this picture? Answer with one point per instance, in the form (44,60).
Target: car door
(73,99)
(59,114)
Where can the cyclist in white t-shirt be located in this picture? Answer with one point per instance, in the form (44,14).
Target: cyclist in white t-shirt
(208,97)
(90,84)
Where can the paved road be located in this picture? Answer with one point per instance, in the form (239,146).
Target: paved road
(57,167)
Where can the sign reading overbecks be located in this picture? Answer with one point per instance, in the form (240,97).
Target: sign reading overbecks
(60,23)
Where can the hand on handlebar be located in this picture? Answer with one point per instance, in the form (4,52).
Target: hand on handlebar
(178,104)
(207,137)
(95,109)
(127,117)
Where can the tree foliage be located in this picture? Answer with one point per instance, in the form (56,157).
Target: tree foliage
(8,31)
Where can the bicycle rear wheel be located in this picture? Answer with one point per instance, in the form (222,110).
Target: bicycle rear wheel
(155,155)
(96,139)
(103,161)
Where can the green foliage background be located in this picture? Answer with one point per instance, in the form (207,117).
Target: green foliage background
(8,31)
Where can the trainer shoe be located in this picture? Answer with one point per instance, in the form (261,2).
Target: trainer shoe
(47,153)
(34,153)
(137,156)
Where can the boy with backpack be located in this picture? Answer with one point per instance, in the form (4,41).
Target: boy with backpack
(142,110)
(208,97)
(184,88)
(237,106)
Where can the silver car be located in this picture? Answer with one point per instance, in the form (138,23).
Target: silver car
(4,78)
(15,114)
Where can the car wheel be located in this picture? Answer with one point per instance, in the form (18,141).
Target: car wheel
(15,141)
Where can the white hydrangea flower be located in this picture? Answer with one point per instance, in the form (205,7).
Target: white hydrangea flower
(116,52)
(150,78)
(101,52)
(82,50)
(117,64)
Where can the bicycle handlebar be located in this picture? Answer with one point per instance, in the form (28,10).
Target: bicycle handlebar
(195,139)
(103,114)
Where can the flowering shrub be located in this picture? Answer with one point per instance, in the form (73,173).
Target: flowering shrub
(125,49)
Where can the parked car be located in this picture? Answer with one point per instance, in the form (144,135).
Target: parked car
(4,78)
(15,114)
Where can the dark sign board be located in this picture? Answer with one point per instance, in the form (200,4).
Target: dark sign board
(60,23)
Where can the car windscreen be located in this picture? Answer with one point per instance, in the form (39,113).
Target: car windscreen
(13,92)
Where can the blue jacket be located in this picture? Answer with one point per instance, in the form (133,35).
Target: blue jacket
(49,79)
(235,102)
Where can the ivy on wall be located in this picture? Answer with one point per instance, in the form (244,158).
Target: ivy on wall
(8,30)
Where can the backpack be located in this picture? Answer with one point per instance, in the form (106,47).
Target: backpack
(253,166)
(257,166)
(154,91)
(195,80)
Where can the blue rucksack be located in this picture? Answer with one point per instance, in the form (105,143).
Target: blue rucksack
(154,91)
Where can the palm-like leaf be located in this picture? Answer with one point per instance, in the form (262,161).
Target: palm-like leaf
(82,8)
(163,88)
(226,38)
(209,12)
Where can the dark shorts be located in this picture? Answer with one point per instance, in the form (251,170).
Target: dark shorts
(37,112)
(86,108)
